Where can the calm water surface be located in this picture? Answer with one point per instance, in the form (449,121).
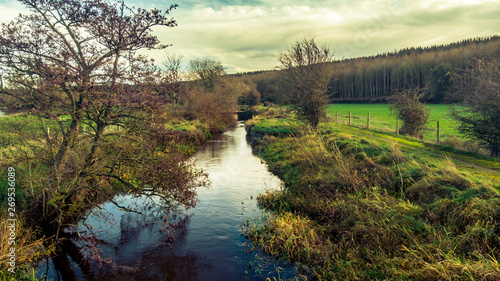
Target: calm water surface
(209,245)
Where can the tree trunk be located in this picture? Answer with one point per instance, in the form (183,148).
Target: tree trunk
(67,143)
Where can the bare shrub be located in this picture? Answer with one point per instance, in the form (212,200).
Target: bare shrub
(411,111)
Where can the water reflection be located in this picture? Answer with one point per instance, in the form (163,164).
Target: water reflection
(207,245)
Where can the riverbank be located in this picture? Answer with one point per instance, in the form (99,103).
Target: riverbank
(360,208)
(23,133)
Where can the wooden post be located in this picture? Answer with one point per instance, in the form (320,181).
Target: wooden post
(437,131)
(397,126)
(349,117)
(336,116)
(368,122)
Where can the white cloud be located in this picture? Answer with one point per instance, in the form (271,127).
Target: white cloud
(250,35)
(9,10)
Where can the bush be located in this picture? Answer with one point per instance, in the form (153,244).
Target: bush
(411,111)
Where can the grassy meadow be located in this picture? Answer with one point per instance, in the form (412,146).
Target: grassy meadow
(361,208)
(381,118)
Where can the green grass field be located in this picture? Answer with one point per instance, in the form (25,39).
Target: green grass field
(381,118)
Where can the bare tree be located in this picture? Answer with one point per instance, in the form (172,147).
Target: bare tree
(481,118)
(208,71)
(174,75)
(306,74)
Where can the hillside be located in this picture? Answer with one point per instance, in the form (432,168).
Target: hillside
(371,79)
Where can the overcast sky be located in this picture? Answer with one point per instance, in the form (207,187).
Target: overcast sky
(248,35)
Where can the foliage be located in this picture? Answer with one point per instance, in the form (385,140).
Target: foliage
(212,97)
(208,71)
(481,120)
(268,86)
(411,111)
(305,77)
(440,82)
(213,108)
(249,95)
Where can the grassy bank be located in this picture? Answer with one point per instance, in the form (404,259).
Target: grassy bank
(358,208)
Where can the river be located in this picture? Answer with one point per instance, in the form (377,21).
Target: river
(208,245)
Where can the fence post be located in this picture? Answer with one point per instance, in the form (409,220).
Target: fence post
(397,125)
(336,116)
(437,131)
(368,122)
(349,117)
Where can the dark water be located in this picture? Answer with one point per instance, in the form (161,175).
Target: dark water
(208,245)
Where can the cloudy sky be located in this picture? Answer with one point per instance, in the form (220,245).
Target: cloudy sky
(248,35)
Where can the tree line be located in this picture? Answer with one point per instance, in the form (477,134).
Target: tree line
(373,79)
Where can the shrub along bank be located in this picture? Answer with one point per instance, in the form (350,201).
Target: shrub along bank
(24,134)
(356,209)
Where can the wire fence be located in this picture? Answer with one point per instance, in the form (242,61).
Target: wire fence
(366,121)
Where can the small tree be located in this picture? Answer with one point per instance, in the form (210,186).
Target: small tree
(481,119)
(411,111)
(173,75)
(305,77)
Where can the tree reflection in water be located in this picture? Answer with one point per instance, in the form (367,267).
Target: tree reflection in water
(140,243)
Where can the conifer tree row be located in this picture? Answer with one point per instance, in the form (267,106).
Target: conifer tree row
(377,77)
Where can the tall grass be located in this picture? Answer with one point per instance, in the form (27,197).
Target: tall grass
(28,249)
(355,209)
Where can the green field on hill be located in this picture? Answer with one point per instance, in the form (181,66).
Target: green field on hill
(381,118)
